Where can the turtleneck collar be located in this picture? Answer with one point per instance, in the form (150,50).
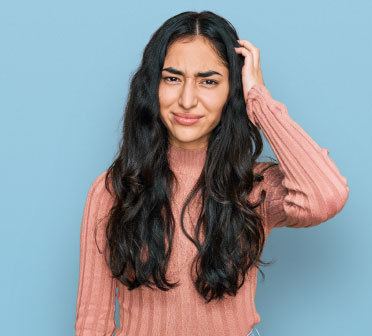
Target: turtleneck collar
(186,160)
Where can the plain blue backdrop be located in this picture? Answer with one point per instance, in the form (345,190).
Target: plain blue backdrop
(64,76)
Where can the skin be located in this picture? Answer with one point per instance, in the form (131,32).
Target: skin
(190,93)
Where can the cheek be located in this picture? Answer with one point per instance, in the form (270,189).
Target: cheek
(161,96)
(164,117)
(214,105)
(163,104)
(212,120)
(166,96)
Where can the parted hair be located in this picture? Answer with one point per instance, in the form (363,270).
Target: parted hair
(229,233)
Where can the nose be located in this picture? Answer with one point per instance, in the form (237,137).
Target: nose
(188,96)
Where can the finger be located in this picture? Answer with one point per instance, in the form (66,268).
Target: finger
(250,46)
(246,53)
(253,49)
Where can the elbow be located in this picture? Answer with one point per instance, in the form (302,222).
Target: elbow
(337,202)
(345,197)
(332,206)
(313,215)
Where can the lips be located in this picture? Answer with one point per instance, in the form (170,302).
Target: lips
(188,115)
(186,119)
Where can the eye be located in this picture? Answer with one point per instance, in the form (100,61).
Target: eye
(211,80)
(166,79)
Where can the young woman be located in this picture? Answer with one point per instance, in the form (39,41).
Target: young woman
(179,220)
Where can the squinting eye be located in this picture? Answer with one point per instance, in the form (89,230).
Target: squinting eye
(165,78)
(211,80)
(207,80)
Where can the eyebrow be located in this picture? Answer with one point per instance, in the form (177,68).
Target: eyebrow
(198,74)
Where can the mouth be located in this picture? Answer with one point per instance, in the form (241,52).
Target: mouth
(188,115)
(186,119)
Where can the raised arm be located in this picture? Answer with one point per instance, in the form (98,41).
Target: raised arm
(95,304)
(306,188)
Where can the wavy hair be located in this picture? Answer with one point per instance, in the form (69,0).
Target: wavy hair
(141,224)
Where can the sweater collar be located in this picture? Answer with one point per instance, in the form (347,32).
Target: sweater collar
(186,160)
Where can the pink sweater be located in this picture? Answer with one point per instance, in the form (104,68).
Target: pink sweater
(304,190)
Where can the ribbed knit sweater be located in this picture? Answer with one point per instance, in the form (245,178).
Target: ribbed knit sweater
(304,190)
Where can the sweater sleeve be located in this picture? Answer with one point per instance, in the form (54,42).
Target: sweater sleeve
(95,304)
(305,188)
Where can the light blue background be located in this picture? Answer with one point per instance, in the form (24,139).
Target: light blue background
(64,77)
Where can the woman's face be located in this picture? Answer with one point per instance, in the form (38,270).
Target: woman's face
(195,84)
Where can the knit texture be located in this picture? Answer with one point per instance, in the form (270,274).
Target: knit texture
(304,190)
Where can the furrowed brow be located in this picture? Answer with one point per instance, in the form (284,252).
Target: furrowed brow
(198,74)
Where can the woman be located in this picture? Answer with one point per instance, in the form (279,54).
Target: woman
(179,220)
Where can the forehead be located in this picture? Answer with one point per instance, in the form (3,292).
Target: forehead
(193,55)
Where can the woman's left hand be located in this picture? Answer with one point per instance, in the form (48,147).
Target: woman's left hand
(251,71)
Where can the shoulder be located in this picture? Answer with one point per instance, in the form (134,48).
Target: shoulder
(272,183)
(274,192)
(98,188)
(99,202)
(270,171)
(271,178)
(267,181)
(99,197)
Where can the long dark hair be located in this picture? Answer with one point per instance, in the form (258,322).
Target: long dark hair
(140,225)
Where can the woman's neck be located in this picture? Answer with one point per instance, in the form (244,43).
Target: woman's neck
(182,159)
